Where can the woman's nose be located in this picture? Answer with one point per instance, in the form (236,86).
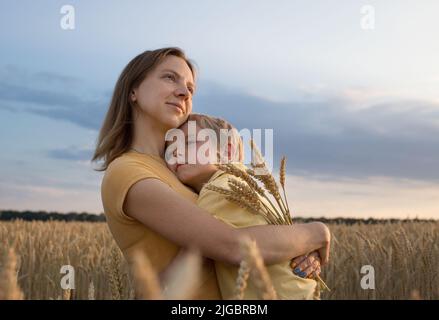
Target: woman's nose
(182,91)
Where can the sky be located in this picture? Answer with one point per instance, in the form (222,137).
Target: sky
(348,87)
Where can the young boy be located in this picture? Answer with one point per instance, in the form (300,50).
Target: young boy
(198,175)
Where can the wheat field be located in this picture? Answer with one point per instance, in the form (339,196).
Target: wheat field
(405,258)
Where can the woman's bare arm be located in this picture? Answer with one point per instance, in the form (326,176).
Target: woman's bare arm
(164,211)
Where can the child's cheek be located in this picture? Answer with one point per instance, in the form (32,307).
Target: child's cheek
(172,167)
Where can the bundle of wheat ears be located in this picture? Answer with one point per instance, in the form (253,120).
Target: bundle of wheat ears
(259,193)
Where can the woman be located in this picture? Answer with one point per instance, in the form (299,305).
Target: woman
(147,208)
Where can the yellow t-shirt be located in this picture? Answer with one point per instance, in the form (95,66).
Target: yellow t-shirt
(131,235)
(285,282)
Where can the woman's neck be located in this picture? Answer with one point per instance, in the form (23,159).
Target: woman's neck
(148,138)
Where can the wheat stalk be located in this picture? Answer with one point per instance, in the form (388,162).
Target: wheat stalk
(241,280)
(9,289)
(282,174)
(248,194)
(259,273)
(42,245)
(91,291)
(147,285)
(67,294)
(184,278)
(238,200)
(114,276)
(268,180)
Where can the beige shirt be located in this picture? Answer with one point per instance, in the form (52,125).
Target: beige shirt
(285,282)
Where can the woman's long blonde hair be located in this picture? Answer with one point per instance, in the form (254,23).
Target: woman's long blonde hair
(116,134)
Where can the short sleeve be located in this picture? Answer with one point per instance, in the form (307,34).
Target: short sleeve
(118,179)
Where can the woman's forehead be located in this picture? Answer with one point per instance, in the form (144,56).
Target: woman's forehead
(177,65)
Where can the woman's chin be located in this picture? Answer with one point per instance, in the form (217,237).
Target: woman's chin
(175,120)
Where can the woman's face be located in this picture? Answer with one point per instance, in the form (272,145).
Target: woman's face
(165,95)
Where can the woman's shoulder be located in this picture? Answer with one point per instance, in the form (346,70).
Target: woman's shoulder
(130,167)
(130,161)
(122,173)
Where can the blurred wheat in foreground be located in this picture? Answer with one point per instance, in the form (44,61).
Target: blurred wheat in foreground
(405,257)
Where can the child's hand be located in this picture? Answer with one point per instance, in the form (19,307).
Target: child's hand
(307,266)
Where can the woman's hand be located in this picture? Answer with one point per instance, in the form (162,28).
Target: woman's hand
(307,266)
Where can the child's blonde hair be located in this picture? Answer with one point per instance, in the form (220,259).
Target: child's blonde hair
(217,124)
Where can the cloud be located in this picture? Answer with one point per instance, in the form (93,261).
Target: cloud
(50,77)
(34,196)
(397,139)
(321,136)
(55,105)
(372,197)
(72,153)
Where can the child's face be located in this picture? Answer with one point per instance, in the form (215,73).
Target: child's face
(193,174)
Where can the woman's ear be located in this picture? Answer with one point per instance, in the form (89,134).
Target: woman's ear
(133,96)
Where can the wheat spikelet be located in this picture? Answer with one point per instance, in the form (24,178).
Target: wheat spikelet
(67,294)
(407,241)
(271,186)
(266,178)
(247,196)
(317,291)
(9,289)
(282,170)
(233,170)
(244,190)
(114,276)
(237,199)
(184,278)
(282,174)
(41,247)
(241,280)
(258,271)
(147,285)
(91,291)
